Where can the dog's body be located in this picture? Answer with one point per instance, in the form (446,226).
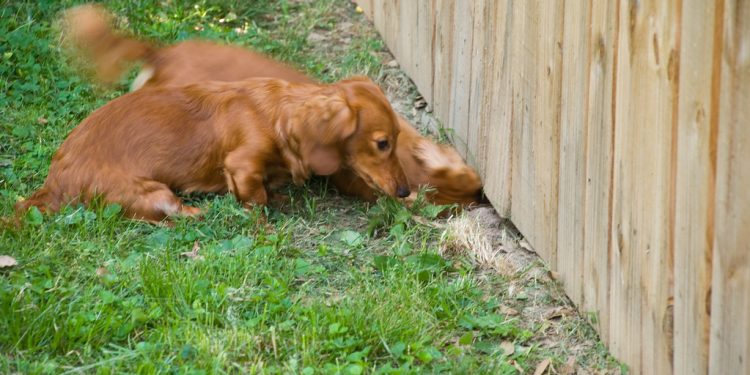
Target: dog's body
(424,162)
(222,136)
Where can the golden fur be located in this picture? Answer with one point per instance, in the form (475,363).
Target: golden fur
(237,136)
(424,162)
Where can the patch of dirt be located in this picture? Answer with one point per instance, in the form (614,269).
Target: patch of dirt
(532,292)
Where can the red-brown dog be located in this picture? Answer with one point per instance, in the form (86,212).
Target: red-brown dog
(424,162)
(222,136)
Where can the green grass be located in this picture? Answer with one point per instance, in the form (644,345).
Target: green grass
(324,285)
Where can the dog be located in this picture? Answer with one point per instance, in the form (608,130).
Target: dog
(425,163)
(212,136)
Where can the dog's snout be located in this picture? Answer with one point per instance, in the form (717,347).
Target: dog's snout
(402,192)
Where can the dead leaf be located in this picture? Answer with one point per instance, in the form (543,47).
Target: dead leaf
(193,254)
(427,222)
(42,120)
(558,312)
(570,367)
(101,271)
(508,348)
(554,275)
(541,367)
(506,310)
(7,261)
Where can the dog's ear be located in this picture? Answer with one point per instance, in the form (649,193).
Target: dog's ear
(319,130)
(434,157)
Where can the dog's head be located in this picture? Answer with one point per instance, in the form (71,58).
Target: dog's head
(454,180)
(354,128)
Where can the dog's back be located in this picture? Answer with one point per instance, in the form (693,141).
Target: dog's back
(196,61)
(88,28)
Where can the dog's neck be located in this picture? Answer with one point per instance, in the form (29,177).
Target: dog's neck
(293,101)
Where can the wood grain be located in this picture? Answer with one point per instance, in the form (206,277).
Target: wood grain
(573,145)
(496,118)
(536,123)
(640,278)
(616,136)
(695,188)
(730,302)
(599,159)
(442,57)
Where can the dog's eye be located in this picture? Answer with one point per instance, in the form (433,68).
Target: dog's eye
(383,144)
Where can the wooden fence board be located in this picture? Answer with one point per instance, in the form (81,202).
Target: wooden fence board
(442,56)
(730,303)
(573,143)
(479,81)
(536,102)
(393,30)
(600,146)
(421,25)
(497,106)
(460,88)
(640,275)
(694,188)
(406,15)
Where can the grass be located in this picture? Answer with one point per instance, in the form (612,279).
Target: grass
(325,285)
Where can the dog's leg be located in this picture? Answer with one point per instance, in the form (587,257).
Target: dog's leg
(244,176)
(156,202)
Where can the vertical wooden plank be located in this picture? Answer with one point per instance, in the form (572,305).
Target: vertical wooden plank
(442,56)
(479,67)
(407,28)
(498,107)
(378,18)
(573,146)
(424,62)
(695,188)
(640,282)
(391,30)
(597,216)
(730,303)
(460,88)
(536,121)
(386,22)
(417,25)
(406,18)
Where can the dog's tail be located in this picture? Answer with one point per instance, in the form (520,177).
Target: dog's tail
(88,30)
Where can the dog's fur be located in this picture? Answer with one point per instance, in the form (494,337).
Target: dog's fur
(222,136)
(424,162)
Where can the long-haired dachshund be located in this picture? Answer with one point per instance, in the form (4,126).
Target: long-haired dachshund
(222,136)
(424,162)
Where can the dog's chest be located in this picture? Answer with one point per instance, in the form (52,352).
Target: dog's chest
(277,175)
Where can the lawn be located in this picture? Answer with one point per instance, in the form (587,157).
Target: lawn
(321,284)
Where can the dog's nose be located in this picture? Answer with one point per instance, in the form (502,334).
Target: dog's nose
(402,192)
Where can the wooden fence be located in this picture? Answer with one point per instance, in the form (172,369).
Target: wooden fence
(616,135)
